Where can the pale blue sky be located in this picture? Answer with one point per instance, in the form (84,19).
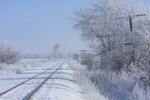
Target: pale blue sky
(36,25)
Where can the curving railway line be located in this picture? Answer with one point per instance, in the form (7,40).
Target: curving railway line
(44,77)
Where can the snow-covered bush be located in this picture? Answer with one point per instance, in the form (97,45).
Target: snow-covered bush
(109,85)
(8,53)
(10,69)
(76,66)
(89,88)
(88,60)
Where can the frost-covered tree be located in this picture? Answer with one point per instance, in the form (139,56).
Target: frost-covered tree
(111,39)
(56,53)
(8,53)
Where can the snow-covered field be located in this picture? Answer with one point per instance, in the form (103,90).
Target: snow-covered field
(61,86)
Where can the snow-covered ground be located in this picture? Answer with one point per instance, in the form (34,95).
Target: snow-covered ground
(61,86)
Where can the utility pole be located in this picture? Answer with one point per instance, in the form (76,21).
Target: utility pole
(149,52)
(131,29)
(130,19)
(83,56)
(83,53)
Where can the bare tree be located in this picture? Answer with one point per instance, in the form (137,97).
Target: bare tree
(56,47)
(56,53)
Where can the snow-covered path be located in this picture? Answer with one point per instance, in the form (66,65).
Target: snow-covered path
(61,86)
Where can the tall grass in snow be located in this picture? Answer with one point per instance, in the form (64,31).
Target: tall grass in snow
(110,85)
(89,88)
(10,69)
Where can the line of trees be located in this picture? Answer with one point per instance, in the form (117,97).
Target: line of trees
(108,36)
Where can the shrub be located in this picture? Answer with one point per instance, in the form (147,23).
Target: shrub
(8,53)
(102,85)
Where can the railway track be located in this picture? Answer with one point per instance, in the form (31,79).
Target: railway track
(33,91)
(29,95)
